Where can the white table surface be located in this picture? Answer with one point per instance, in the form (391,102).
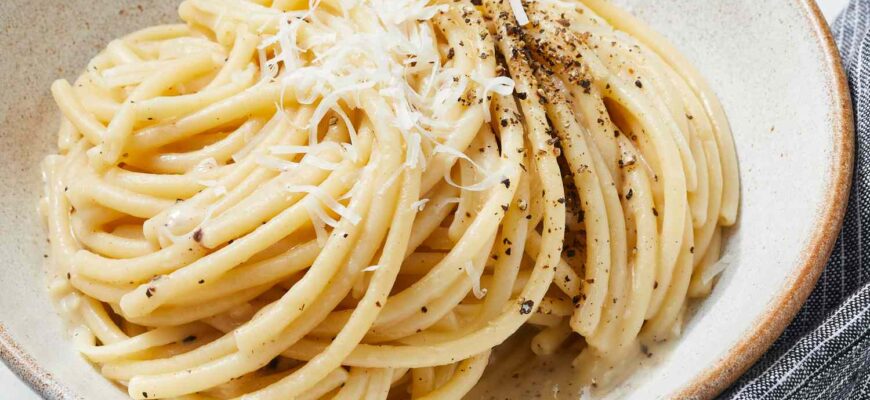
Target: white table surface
(12,388)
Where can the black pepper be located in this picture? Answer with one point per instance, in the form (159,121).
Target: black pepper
(526,307)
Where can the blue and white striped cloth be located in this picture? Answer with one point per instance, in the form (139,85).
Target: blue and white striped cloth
(825,353)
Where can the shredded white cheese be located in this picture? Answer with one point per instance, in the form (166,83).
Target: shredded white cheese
(372,268)
(332,64)
(490,178)
(439,149)
(326,199)
(316,214)
(474,275)
(501,85)
(519,12)
(713,270)
(419,205)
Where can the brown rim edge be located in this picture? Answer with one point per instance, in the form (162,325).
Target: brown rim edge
(794,294)
(742,356)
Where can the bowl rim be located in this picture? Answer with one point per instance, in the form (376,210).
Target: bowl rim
(791,297)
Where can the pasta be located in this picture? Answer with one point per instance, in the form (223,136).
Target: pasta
(354,199)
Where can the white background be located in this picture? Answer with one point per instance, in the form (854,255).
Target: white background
(12,388)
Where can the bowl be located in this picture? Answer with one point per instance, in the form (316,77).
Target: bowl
(779,79)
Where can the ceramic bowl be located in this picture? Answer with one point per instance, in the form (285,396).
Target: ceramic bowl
(773,64)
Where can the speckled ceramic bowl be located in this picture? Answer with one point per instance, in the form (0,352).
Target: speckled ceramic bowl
(772,62)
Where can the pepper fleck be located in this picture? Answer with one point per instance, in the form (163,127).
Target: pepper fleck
(526,307)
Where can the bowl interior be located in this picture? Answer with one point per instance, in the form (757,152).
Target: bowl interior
(774,75)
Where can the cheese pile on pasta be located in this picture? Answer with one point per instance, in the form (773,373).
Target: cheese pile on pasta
(359,199)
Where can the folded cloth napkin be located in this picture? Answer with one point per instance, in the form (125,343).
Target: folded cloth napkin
(825,352)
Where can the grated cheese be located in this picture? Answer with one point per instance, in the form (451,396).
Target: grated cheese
(474,275)
(490,178)
(443,149)
(501,85)
(419,205)
(326,199)
(316,214)
(488,182)
(519,12)
(329,103)
(713,270)
(330,62)
(372,268)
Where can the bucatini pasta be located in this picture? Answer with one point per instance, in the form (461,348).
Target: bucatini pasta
(351,199)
